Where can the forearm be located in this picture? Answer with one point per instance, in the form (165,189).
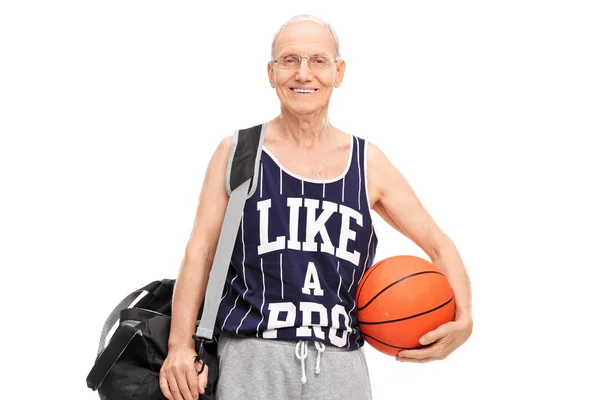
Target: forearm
(448,260)
(189,291)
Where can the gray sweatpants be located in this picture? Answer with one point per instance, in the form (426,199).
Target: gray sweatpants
(253,368)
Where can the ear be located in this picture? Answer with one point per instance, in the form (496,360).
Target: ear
(341,69)
(271,73)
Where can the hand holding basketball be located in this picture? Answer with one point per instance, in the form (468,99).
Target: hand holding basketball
(406,309)
(442,341)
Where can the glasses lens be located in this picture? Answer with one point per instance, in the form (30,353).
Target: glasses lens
(288,62)
(320,62)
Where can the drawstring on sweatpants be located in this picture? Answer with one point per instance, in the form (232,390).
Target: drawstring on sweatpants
(302,354)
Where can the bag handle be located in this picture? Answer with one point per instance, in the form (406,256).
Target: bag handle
(114,315)
(109,356)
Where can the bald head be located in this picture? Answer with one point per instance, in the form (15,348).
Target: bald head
(306,28)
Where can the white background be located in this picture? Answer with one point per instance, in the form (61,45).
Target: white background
(109,112)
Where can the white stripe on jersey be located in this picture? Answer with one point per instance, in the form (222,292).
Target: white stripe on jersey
(302,187)
(261,179)
(280,181)
(263,302)
(226,293)
(340,285)
(227,289)
(367,256)
(323,190)
(234,304)
(281,272)
(359,173)
(242,321)
(244,258)
(353,304)
(343,186)
(244,266)
(365,265)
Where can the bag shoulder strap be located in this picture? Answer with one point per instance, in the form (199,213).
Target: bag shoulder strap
(242,168)
(244,158)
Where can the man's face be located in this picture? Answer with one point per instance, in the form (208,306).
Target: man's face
(305,38)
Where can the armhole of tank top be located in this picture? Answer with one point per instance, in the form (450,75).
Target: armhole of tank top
(257,161)
(365,176)
(234,141)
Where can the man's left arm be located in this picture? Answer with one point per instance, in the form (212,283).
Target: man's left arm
(393,198)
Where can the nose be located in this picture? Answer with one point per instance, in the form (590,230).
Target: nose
(303,73)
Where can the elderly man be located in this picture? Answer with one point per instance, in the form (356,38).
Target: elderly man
(305,241)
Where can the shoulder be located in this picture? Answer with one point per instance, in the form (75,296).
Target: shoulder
(380,170)
(217,166)
(374,154)
(224,147)
(376,159)
(221,153)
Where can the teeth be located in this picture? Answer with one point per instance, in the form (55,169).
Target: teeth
(303,90)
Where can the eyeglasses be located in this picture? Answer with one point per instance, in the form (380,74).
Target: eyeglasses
(292,62)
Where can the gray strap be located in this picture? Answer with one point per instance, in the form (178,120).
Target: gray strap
(114,315)
(220,266)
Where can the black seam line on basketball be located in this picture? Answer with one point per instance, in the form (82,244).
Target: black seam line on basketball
(370,271)
(390,345)
(393,283)
(412,316)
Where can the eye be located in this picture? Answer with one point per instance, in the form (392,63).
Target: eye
(290,60)
(319,62)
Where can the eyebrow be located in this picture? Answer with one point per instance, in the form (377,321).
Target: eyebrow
(291,53)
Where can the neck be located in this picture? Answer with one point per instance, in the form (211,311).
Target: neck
(307,129)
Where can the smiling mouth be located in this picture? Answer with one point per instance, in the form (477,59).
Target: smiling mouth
(303,91)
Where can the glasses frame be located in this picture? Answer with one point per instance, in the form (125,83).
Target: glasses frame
(308,61)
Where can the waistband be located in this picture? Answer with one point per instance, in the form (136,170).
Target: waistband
(286,342)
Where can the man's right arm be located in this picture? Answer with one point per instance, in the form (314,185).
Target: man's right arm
(192,279)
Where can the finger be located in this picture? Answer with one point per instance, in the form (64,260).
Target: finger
(419,354)
(417,360)
(436,334)
(192,380)
(174,387)
(184,389)
(164,387)
(202,379)
(414,354)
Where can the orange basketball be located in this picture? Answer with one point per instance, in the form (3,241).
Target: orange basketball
(401,298)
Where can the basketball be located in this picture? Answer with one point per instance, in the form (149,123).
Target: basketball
(401,298)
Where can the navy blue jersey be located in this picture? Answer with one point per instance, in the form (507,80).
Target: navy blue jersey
(302,247)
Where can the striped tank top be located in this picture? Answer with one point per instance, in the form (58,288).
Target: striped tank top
(302,247)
